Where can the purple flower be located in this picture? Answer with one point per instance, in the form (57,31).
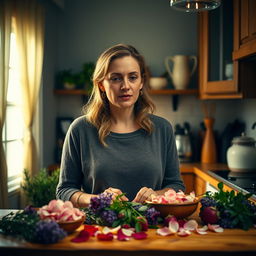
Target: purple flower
(108,217)
(100,202)
(29,209)
(48,232)
(152,216)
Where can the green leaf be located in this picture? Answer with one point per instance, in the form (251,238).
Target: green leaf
(220,186)
(138,227)
(143,208)
(116,223)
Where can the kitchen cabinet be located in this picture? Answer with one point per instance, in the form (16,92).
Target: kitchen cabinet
(220,75)
(245,28)
(189,181)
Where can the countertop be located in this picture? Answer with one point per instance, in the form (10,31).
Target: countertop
(230,242)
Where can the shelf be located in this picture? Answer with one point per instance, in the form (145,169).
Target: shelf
(70,92)
(174,92)
(152,92)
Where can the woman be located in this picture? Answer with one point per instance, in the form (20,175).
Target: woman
(119,146)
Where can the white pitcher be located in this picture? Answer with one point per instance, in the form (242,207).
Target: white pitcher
(181,70)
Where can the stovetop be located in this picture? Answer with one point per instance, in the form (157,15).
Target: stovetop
(246,182)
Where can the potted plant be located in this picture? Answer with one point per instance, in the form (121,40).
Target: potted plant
(40,189)
(66,79)
(87,71)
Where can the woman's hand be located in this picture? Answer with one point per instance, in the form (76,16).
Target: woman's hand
(115,192)
(144,194)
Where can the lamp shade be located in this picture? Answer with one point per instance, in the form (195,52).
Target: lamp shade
(195,5)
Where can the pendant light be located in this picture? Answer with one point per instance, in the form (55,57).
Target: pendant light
(195,5)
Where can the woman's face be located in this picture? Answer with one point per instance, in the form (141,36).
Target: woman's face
(123,82)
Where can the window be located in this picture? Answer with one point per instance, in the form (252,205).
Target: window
(13,130)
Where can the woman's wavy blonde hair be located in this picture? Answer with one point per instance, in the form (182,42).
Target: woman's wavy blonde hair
(97,109)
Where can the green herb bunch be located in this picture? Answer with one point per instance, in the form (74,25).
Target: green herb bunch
(26,224)
(41,188)
(231,210)
(105,211)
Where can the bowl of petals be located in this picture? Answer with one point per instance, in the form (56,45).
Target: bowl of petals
(174,203)
(71,226)
(65,214)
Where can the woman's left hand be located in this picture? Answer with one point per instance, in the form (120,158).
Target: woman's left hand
(144,194)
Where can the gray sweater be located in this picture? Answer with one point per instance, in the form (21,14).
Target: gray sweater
(130,162)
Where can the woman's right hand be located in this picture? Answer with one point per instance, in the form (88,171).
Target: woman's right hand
(115,192)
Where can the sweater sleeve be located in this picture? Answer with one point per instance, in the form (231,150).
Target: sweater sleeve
(70,169)
(172,177)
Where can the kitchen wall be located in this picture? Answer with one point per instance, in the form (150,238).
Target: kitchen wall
(82,29)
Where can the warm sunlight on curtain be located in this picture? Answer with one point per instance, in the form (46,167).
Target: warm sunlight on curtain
(29,31)
(5,31)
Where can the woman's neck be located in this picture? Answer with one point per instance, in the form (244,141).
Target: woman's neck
(123,121)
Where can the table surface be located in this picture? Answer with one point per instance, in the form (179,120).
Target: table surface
(230,242)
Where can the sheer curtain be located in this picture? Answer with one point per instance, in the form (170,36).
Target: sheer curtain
(29,30)
(5,32)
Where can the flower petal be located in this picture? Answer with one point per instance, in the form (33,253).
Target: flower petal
(184,232)
(190,225)
(121,236)
(173,226)
(202,231)
(127,232)
(105,237)
(91,229)
(215,228)
(163,231)
(81,237)
(139,235)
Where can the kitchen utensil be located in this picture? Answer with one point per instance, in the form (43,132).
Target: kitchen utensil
(241,156)
(181,73)
(183,143)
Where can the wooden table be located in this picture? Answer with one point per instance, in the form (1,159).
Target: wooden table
(230,242)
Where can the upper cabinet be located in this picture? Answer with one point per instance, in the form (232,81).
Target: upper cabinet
(245,28)
(220,75)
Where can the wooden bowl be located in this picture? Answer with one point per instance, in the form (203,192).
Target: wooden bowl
(180,211)
(71,226)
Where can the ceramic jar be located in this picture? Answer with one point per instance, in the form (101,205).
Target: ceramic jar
(241,156)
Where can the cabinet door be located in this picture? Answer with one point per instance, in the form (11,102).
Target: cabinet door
(245,28)
(218,73)
(200,185)
(188,179)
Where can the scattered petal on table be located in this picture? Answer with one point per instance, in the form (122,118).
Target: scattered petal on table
(91,229)
(184,232)
(121,236)
(83,236)
(105,237)
(173,226)
(139,235)
(163,231)
(215,228)
(202,231)
(190,225)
